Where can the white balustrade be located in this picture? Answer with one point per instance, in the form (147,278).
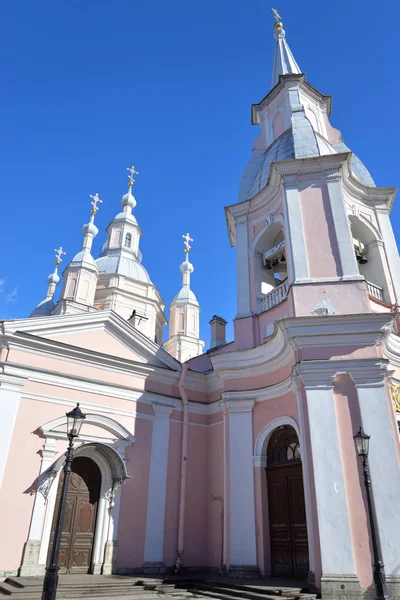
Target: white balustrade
(275,296)
(375,290)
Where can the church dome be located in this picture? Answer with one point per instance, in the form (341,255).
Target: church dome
(123,265)
(256,174)
(185,295)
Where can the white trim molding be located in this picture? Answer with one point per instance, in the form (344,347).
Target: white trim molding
(261,445)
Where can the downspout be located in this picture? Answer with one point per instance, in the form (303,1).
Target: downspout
(182,499)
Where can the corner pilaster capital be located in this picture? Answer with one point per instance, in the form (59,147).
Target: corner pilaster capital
(333,175)
(11,383)
(238,405)
(241,220)
(315,376)
(375,375)
(162,411)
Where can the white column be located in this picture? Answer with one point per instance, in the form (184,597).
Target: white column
(294,233)
(242,503)
(383,462)
(153,552)
(342,228)
(10,394)
(333,517)
(242,268)
(391,250)
(30,561)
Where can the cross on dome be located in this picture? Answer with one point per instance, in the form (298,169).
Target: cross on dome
(95,202)
(187,241)
(59,253)
(131,177)
(276,15)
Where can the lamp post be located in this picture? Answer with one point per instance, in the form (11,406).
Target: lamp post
(362,444)
(75,420)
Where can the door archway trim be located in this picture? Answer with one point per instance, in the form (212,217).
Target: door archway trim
(260,447)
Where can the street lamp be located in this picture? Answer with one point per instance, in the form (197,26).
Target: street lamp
(362,444)
(75,420)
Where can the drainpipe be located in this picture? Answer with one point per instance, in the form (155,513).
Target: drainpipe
(182,499)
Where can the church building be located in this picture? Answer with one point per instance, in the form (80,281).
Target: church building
(241,459)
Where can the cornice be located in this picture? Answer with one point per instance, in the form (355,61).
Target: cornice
(302,332)
(391,349)
(320,374)
(337,330)
(33,330)
(271,355)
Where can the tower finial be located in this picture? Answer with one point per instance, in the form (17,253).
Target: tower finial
(277,16)
(284,61)
(131,176)
(187,241)
(95,202)
(59,252)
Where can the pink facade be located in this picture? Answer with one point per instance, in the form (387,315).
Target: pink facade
(198,457)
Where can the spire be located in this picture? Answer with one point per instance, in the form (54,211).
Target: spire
(284,61)
(183,342)
(80,276)
(46,305)
(186,267)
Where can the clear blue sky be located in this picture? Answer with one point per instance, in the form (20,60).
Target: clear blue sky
(91,87)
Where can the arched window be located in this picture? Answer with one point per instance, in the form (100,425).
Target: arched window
(283,446)
(270,265)
(128,240)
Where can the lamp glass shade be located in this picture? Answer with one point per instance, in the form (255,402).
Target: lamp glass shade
(75,420)
(362,442)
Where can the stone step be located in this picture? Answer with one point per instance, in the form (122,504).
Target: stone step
(250,592)
(226,595)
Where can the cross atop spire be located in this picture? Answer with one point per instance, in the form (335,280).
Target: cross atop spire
(284,61)
(95,202)
(187,241)
(131,176)
(59,253)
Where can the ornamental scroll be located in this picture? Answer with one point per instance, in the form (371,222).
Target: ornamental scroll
(396,398)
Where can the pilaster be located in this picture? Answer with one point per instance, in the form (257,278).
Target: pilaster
(30,560)
(294,233)
(383,460)
(333,517)
(342,228)
(154,543)
(242,268)
(10,394)
(391,250)
(243,554)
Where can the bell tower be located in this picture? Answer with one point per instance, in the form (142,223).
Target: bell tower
(311,230)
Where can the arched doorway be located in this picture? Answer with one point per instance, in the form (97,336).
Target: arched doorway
(287,514)
(80,516)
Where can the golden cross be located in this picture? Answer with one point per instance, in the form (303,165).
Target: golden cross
(276,15)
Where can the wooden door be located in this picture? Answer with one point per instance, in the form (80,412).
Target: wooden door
(287,515)
(80,516)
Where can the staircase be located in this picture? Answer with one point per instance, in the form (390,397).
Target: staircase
(95,587)
(223,589)
(101,587)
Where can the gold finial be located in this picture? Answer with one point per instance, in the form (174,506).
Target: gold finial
(131,177)
(187,241)
(95,202)
(59,253)
(276,15)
